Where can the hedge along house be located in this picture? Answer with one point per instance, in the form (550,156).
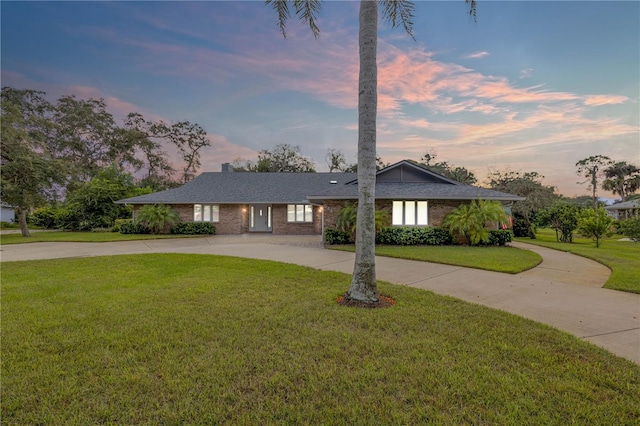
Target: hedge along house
(308,203)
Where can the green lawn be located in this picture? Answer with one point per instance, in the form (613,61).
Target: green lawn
(199,339)
(622,257)
(81,237)
(499,259)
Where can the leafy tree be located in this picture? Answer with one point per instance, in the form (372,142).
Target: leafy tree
(562,216)
(584,201)
(190,139)
(159,172)
(363,283)
(281,158)
(157,216)
(470,220)
(28,170)
(336,161)
(622,179)
(529,185)
(595,224)
(592,169)
(187,137)
(92,203)
(457,173)
(87,136)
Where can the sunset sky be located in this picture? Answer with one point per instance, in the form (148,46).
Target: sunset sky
(531,86)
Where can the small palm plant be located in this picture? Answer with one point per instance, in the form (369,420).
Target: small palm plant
(347,219)
(470,220)
(157,216)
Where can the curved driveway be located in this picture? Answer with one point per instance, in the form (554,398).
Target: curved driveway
(564,291)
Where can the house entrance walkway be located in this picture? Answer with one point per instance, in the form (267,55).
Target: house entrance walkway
(564,291)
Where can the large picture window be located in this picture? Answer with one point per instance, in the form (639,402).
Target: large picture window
(409,213)
(299,213)
(206,213)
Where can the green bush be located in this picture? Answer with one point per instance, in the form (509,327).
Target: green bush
(70,220)
(118,223)
(194,228)
(470,220)
(521,228)
(44,217)
(500,237)
(631,228)
(407,236)
(134,228)
(157,217)
(335,236)
(348,215)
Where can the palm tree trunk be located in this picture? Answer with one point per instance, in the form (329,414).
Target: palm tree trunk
(363,283)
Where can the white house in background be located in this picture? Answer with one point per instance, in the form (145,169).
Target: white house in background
(7,214)
(624,210)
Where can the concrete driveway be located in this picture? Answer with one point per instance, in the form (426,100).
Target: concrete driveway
(564,291)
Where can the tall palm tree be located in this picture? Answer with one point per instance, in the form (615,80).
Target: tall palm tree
(399,12)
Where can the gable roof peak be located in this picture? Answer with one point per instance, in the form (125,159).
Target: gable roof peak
(409,171)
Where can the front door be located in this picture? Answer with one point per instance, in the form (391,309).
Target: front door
(260,218)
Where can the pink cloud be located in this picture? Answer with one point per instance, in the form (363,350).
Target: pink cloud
(597,100)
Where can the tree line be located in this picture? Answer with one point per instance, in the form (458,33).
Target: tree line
(71,149)
(73,156)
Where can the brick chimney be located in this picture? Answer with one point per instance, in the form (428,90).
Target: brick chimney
(227,168)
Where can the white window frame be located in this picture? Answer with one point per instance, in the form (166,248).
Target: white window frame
(410,213)
(299,213)
(206,213)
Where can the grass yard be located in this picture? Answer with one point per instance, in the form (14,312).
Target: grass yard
(199,339)
(622,257)
(499,259)
(82,237)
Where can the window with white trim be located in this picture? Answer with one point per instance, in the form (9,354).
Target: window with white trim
(409,213)
(299,213)
(206,213)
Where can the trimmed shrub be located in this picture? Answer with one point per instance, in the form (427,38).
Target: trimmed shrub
(193,228)
(134,228)
(335,236)
(407,236)
(44,217)
(500,237)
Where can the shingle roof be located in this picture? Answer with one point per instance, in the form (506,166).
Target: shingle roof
(242,187)
(633,204)
(416,191)
(402,180)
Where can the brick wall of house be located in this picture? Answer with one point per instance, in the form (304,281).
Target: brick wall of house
(234,218)
(331,210)
(438,209)
(280,225)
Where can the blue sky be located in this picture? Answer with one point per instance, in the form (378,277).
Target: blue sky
(531,86)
